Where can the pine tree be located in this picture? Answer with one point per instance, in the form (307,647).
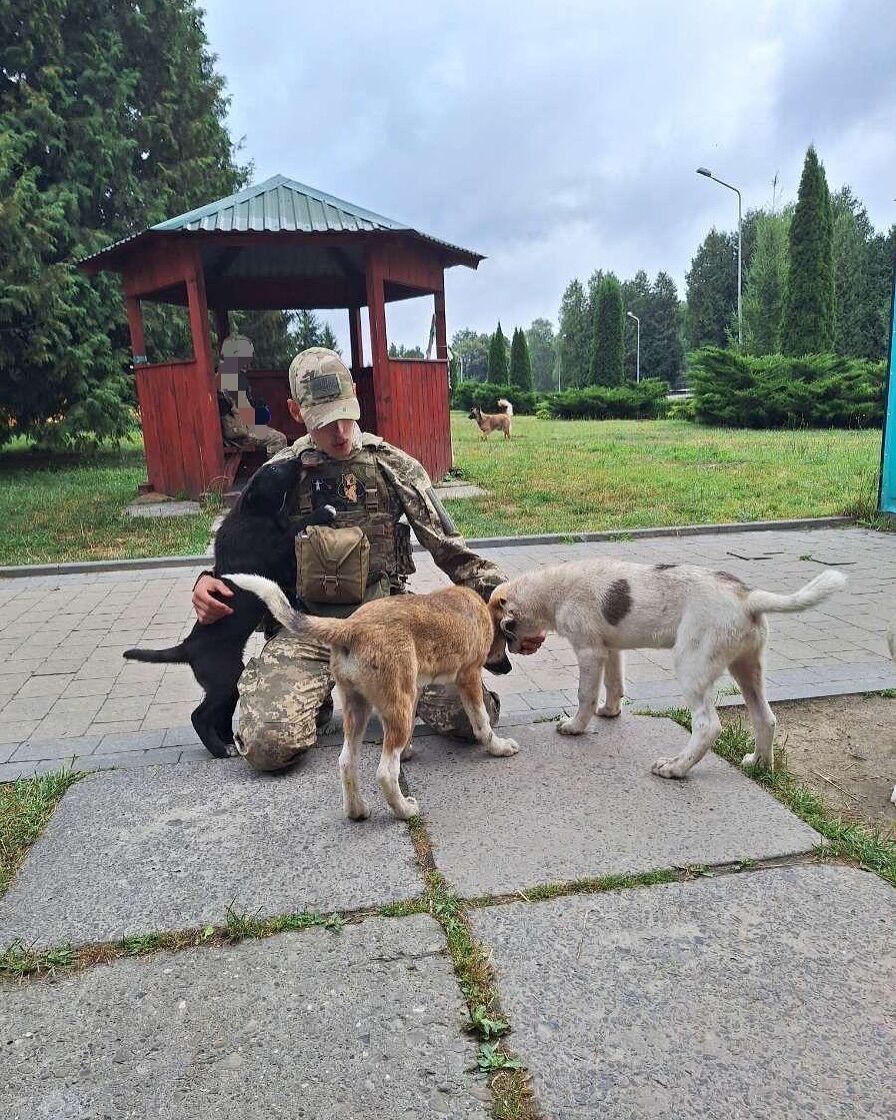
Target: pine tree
(520,364)
(328,339)
(607,349)
(497,358)
(662,354)
(543,354)
(308,330)
(111,118)
(766,278)
(808,318)
(712,290)
(574,337)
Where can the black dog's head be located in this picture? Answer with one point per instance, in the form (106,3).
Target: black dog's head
(268,488)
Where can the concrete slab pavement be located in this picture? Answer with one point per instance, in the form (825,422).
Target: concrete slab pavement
(572,808)
(166,848)
(365,1023)
(764,994)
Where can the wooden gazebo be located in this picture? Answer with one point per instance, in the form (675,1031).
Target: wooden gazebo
(281,245)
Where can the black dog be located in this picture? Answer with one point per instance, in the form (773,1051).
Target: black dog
(254,537)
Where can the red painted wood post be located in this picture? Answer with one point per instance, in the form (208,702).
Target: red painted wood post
(388,424)
(135,323)
(222,324)
(202,434)
(356,338)
(441,329)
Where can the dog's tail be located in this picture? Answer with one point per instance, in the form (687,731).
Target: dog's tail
(331,631)
(830,580)
(174,654)
(506,405)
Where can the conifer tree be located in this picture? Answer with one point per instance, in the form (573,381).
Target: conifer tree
(608,349)
(497,358)
(520,365)
(808,318)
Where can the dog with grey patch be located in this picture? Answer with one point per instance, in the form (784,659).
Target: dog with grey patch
(711,620)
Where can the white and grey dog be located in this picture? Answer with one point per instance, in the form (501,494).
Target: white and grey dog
(711,620)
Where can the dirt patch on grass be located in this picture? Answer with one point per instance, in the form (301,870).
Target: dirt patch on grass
(844,748)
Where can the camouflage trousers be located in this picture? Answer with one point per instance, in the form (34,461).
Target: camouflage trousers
(283,690)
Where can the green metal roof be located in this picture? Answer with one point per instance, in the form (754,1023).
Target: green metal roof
(281,205)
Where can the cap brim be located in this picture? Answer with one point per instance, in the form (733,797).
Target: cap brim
(319,415)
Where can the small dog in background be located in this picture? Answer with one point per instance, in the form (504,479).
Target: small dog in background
(493,421)
(254,537)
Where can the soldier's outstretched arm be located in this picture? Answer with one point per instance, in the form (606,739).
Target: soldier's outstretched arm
(433,526)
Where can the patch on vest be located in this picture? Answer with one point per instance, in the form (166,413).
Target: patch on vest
(343,492)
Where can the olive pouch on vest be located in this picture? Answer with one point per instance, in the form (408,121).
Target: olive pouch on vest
(332,565)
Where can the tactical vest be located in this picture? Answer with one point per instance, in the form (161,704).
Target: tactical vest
(358,491)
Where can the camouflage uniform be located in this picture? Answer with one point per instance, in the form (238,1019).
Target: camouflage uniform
(283,690)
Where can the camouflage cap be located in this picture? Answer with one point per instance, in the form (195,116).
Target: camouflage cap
(321,385)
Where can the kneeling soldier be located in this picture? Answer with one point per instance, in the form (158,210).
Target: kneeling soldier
(285,691)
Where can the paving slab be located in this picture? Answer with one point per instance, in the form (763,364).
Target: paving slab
(763,995)
(365,1023)
(566,808)
(170,847)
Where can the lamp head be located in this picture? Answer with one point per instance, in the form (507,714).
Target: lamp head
(704,171)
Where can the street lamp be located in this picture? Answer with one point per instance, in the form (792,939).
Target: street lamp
(638,359)
(709,175)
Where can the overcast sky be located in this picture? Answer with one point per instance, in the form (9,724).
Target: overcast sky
(559,137)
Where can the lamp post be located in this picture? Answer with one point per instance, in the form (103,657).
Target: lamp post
(638,352)
(709,175)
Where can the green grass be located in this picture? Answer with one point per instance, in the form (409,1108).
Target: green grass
(25,808)
(554,476)
(62,507)
(561,476)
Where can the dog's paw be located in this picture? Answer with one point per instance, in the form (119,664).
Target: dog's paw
(502,747)
(609,711)
(750,760)
(570,727)
(407,809)
(667,768)
(359,811)
(407,752)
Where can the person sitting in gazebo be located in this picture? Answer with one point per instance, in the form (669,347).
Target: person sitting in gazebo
(238,411)
(285,691)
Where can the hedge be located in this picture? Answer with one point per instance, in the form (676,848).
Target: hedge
(814,391)
(645,400)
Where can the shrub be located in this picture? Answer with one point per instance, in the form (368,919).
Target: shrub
(467,393)
(682,408)
(644,401)
(812,391)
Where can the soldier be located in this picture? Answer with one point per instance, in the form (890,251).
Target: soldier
(285,691)
(235,404)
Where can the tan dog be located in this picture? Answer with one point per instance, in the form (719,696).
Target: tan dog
(382,656)
(493,421)
(711,620)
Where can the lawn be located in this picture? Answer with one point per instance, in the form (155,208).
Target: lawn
(560,475)
(555,476)
(62,508)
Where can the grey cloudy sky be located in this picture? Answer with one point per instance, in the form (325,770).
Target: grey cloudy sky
(559,137)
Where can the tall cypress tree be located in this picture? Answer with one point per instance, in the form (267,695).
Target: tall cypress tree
(497,358)
(520,365)
(808,320)
(111,118)
(608,351)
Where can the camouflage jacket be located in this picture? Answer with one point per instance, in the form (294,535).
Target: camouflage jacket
(416,498)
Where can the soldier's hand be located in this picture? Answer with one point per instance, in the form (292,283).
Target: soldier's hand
(533,643)
(207,595)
